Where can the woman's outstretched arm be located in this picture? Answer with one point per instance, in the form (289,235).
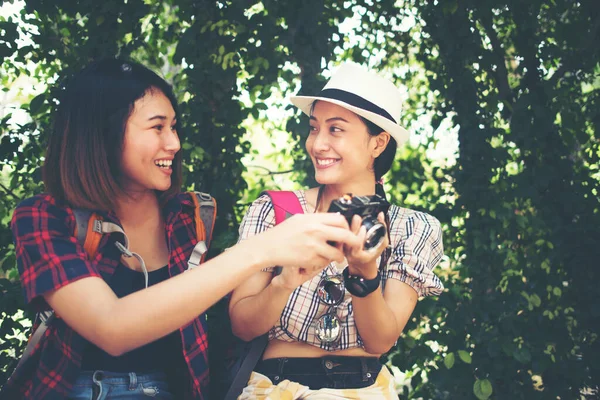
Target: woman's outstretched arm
(118,325)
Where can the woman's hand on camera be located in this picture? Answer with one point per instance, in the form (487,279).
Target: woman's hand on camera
(304,241)
(361,261)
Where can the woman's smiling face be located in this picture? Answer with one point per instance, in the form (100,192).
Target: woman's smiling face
(150,144)
(339,145)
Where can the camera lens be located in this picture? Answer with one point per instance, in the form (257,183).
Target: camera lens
(375,233)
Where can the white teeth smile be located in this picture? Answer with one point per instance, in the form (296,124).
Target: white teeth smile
(163,163)
(326,161)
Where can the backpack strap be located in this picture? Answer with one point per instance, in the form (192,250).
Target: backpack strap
(46,318)
(89,228)
(285,204)
(205,211)
(87,231)
(257,348)
(95,227)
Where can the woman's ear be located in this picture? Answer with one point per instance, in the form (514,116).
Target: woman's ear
(380,142)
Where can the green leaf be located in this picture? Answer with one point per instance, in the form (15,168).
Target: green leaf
(535,300)
(522,355)
(36,103)
(410,342)
(482,389)
(464,356)
(449,360)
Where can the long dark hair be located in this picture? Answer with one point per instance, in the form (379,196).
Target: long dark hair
(383,163)
(83,158)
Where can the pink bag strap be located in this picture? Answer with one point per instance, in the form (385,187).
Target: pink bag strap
(285,204)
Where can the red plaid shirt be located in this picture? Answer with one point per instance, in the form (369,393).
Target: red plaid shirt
(49,257)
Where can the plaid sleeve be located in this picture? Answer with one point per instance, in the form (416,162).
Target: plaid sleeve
(48,255)
(418,248)
(259,217)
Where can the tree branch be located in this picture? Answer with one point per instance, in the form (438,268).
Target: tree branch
(501,74)
(9,191)
(269,172)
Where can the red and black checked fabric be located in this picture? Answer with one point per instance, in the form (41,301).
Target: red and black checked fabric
(49,257)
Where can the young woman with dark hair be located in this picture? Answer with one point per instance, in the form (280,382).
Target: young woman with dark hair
(114,149)
(327,328)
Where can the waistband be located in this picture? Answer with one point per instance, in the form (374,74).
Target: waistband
(329,365)
(122,377)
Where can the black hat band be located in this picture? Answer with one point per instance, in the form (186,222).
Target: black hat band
(355,101)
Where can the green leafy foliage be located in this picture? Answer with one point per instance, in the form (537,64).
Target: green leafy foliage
(517,82)
(482,389)
(524,211)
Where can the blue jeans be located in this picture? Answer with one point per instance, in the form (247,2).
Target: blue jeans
(100,385)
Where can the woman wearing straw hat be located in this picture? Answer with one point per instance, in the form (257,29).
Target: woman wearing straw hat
(328,327)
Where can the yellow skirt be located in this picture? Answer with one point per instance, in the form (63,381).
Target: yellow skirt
(262,388)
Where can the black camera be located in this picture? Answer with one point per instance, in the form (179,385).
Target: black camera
(367,207)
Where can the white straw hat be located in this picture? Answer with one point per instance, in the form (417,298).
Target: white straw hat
(364,93)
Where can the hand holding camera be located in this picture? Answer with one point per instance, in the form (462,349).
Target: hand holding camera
(368,209)
(301,241)
(366,218)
